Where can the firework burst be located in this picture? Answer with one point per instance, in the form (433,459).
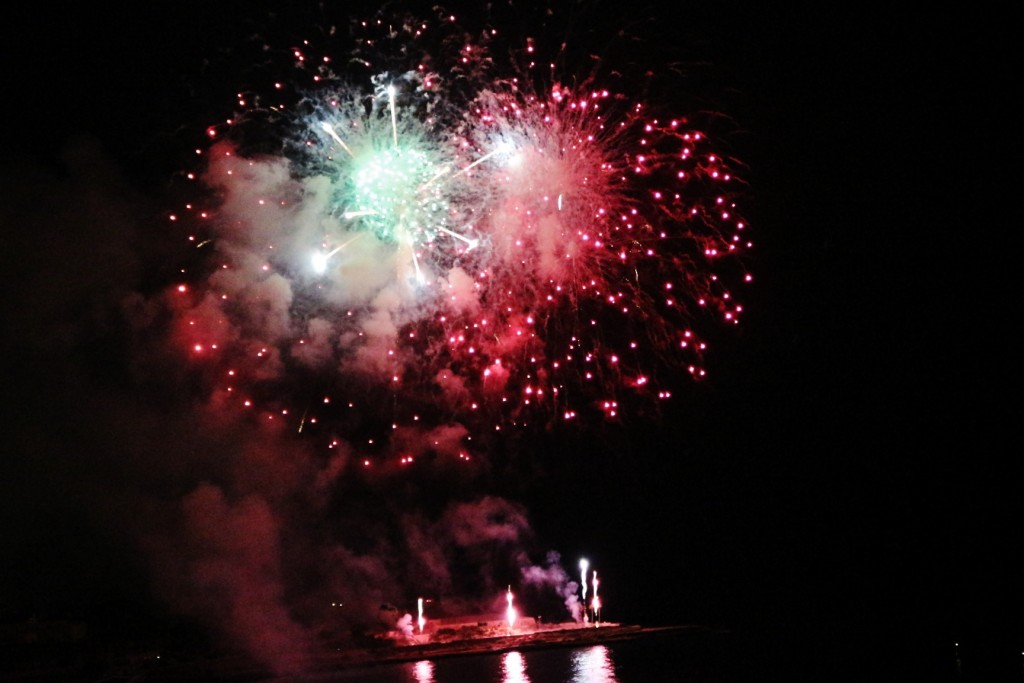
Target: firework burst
(420,242)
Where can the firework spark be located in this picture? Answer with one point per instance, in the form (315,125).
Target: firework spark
(439,245)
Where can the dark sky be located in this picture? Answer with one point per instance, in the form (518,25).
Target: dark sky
(848,472)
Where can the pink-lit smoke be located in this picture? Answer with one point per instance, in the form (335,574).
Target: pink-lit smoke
(554,244)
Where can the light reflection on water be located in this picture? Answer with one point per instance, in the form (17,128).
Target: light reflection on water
(586,665)
(423,671)
(663,658)
(593,665)
(513,668)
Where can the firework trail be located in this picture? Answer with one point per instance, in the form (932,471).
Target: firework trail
(584,564)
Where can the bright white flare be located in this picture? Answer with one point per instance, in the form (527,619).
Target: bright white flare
(510,612)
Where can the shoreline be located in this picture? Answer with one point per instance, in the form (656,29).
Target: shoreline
(231,669)
(546,638)
(239,667)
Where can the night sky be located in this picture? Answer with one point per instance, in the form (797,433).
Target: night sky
(847,475)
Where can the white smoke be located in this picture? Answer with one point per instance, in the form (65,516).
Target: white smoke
(554,577)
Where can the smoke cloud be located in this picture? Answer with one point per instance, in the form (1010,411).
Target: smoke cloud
(275,543)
